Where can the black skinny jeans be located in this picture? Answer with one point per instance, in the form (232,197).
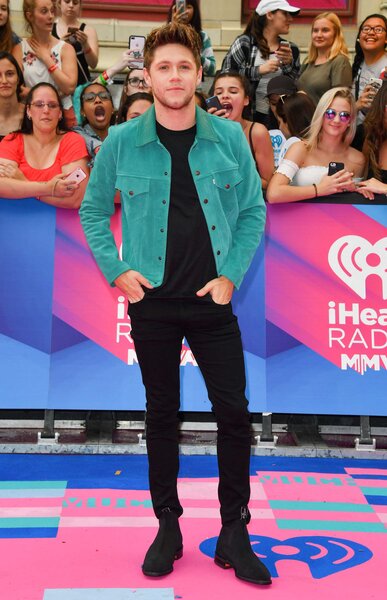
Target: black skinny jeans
(212,331)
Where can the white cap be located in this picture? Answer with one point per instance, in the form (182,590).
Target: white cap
(265,6)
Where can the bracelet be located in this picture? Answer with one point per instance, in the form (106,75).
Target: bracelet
(315,190)
(87,51)
(53,189)
(53,68)
(105,79)
(102,80)
(108,79)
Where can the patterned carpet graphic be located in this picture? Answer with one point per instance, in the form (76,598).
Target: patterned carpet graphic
(77,528)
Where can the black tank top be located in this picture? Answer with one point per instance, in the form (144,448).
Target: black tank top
(83,67)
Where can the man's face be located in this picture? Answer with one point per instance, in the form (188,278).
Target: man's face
(173,76)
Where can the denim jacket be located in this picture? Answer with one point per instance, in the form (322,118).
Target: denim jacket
(133,161)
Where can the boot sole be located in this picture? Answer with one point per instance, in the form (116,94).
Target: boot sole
(178,554)
(224,564)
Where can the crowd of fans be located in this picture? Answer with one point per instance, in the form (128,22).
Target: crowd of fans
(296,118)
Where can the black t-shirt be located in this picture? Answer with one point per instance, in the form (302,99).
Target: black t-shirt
(190,262)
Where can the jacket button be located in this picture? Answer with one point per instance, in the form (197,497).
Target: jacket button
(161,230)
(164,201)
(213,228)
(218,252)
(205,201)
(165,172)
(131,193)
(160,258)
(227,186)
(197,172)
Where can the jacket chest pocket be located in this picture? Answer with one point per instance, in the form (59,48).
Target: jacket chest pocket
(134,193)
(226,182)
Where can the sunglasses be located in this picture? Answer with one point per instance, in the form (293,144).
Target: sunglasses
(135,82)
(91,96)
(331,113)
(39,104)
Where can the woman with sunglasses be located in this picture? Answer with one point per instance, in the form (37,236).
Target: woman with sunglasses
(303,173)
(43,151)
(369,62)
(327,64)
(96,114)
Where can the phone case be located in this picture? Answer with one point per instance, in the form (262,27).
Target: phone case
(136,44)
(335,167)
(78,174)
(213,102)
(180,6)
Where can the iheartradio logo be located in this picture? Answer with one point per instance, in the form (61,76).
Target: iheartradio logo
(353,259)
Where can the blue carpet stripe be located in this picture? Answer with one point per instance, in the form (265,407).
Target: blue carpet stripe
(377,500)
(374,477)
(28,533)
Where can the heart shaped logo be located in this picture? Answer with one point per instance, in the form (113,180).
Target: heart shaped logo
(324,555)
(353,259)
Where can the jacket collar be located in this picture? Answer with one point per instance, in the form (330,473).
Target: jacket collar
(146,131)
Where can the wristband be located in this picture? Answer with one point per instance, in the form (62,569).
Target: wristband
(105,79)
(102,80)
(53,68)
(315,190)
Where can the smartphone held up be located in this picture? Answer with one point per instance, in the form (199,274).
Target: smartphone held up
(180,6)
(136,45)
(72,31)
(213,102)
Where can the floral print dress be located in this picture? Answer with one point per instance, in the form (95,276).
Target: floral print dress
(35,71)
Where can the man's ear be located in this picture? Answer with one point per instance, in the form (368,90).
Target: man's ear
(147,77)
(200,76)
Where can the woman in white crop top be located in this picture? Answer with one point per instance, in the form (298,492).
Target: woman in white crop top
(303,173)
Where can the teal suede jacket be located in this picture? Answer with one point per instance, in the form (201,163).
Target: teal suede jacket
(133,161)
